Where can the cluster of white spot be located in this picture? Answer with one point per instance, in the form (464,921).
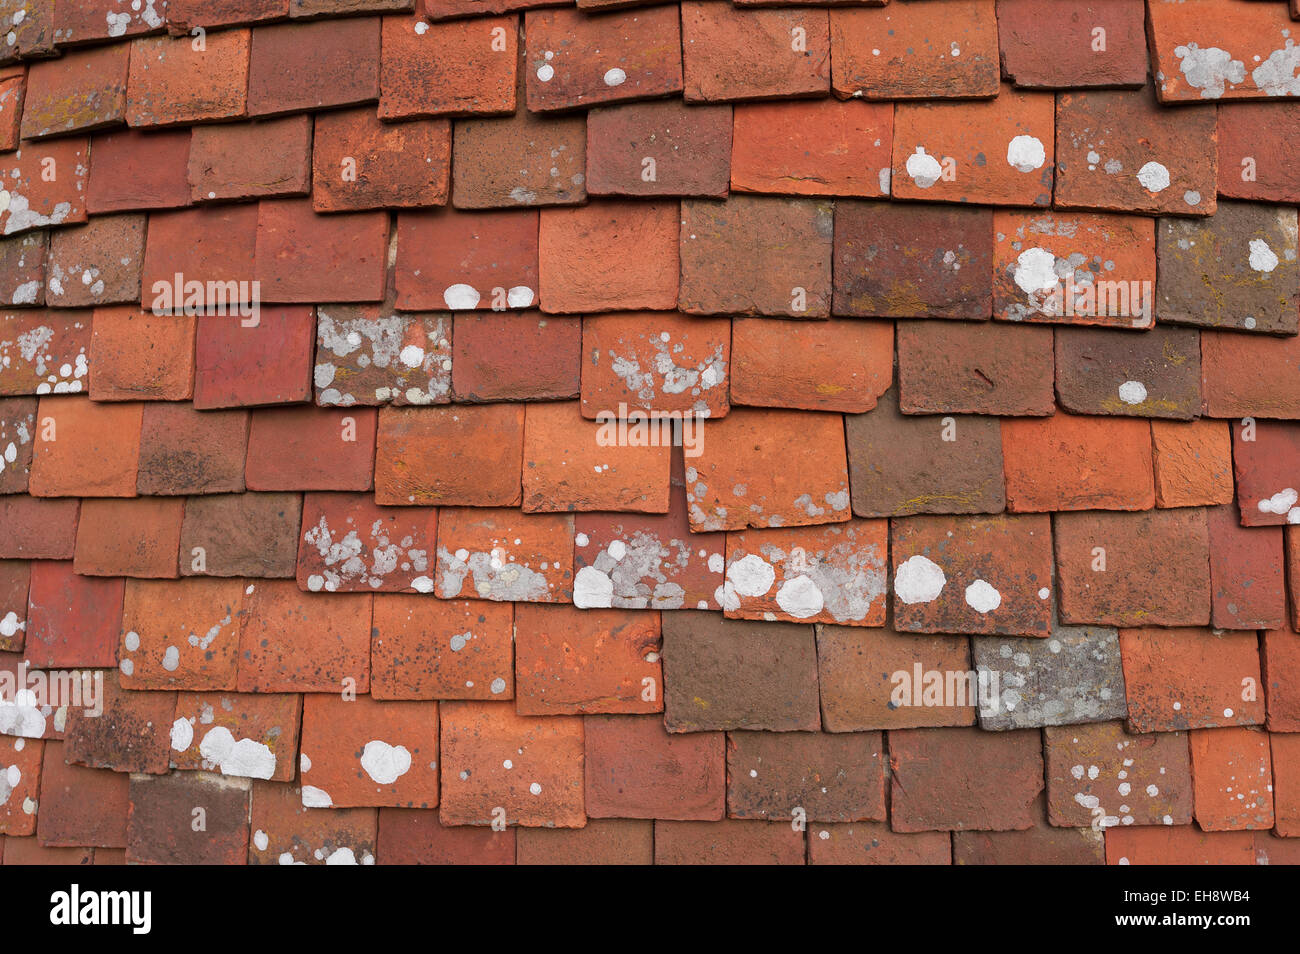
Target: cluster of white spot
(918,579)
(35,348)
(924,169)
(842,581)
(348,558)
(1282,502)
(404,359)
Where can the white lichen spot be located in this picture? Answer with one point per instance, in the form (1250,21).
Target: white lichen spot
(918,579)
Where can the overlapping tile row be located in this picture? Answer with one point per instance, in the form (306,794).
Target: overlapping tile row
(463,432)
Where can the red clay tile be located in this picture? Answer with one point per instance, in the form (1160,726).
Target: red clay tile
(184,451)
(1286,783)
(756,256)
(1001,566)
(72,620)
(1133,569)
(1219,50)
(634,769)
(1265,457)
(730,842)
(1168,170)
(287,833)
(306,66)
(139,356)
(609,256)
(1084,269)
(95,20)
(22,268)
(828,574)
(1236,269)
(463,68)
(603,841)
(879,679)
(211,248)
(13,83)
(17,430)
(297,642)
(1069,462)
(873,843)
(1154,374)
(1247,376)
(46,183)
(577,662)
(80,91)
(1100,776)
(371,355)
(734,54)
(250,160)
(828,777)
(735,481)
(241,535)
(1100,44)
(662,148)
(659,364)
(729,674)
(308,448)
(771,148)
(833,366)
(126,737)
(362,752)
(163,829)
(453,456)
(573,59)
(516,357)
(901,464)
(350,545)
(238,365)
(187,14)
(1232,772)
(15,577)
(139,537)
(1281,664)
(359,163)
(521,160)
(182,634)
(887,261)
(38,529)
(505,555)
(570,463)
(81,806)
(916,51)
(32,24)
(1246,582)
(176,80)
(85,449)
(334,8)
(961,368)
(135,170)
(940,779)
(994,152)
(416,837)
(209,723)
(511,769)
(456,260)
(1254,152)
(305,257)
(441,649)
(97,263)
(1190,679)
(21,761)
